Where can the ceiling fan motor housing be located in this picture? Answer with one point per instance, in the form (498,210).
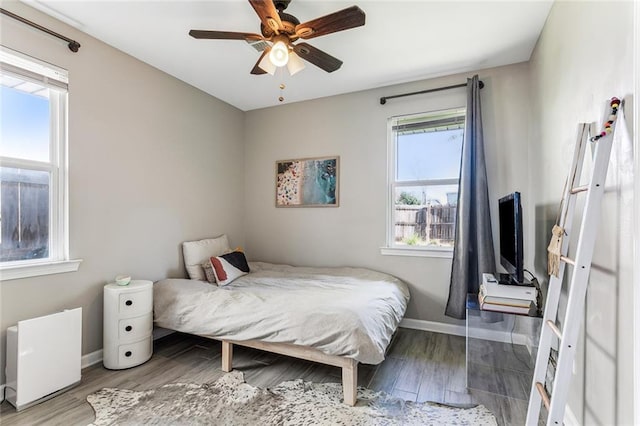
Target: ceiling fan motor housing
(289,23)
(281,4)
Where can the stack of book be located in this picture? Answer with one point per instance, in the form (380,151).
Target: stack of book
(507,298)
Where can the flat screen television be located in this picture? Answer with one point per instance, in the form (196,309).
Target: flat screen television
(511,239)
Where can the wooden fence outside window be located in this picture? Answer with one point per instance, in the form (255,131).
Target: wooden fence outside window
(425,224)
(25,220)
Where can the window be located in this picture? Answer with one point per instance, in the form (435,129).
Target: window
(33,169)
(424,168)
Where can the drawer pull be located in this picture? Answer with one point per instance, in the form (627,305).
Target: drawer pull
(129,302)
(128,328)
(127,354)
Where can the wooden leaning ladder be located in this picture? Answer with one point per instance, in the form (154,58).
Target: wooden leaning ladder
(568,336)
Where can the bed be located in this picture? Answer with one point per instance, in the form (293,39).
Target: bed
(335,316)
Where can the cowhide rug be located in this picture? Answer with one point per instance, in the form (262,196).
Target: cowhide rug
(231,401)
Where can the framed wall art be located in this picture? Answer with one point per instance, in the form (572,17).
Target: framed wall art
(308,182)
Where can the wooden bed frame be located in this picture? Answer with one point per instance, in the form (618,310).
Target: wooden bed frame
(349,365)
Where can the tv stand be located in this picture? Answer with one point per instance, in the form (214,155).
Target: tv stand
(509,279)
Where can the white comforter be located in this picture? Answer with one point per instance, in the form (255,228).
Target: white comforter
(348,312)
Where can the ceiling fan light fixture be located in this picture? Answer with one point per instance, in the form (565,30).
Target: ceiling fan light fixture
(295,64)
(266,65)
(279,54)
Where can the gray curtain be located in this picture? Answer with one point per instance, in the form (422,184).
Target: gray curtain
(473,245)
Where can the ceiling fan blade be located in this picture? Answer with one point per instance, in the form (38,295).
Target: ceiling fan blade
(256,69)
(224,35)
(350,17)
(267,13)
(317,57)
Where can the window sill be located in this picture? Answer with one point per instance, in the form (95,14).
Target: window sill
(37,269)
(445,253)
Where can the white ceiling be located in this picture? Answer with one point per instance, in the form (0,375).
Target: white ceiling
(401,41)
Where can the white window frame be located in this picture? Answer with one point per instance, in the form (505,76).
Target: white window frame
(392,248)
(58,261)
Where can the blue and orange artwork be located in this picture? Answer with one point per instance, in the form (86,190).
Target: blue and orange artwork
(307,183)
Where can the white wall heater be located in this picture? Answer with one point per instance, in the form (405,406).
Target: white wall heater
(43,357)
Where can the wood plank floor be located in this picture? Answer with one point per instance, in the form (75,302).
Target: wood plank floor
(420,366)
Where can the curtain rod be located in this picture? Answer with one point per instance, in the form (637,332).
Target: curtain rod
(383,100)
(73,45)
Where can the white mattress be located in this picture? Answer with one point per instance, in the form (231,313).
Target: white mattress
(350,312)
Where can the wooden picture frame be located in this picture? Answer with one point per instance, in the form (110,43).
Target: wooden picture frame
(308,182)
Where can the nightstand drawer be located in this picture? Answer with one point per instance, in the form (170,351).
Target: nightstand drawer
(134,353)
(128,324)
(135,303)
(130,329)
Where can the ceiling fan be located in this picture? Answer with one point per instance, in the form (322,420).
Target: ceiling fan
(279,31)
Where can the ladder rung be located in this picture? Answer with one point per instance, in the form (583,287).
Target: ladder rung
(579,189)
(543,394)
(555,329)
(567,260)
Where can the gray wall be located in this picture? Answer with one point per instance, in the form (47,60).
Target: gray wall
(354,126)
(153,162)
(584,57)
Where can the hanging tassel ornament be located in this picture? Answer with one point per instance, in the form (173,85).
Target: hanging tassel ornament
(615,105)
(553,251)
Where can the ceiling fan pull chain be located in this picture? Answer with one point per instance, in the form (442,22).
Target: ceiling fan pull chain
(282,86)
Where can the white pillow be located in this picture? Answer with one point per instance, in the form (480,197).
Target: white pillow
(197,252)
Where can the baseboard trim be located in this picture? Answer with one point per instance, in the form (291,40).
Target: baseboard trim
(460,330)
(91,359)
(436,327)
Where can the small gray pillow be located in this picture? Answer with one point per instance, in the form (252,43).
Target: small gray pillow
(208,272)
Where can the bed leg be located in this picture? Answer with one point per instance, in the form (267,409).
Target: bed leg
(227,356)
(350,382)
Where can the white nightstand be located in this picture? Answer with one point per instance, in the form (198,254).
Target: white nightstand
(128,324)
